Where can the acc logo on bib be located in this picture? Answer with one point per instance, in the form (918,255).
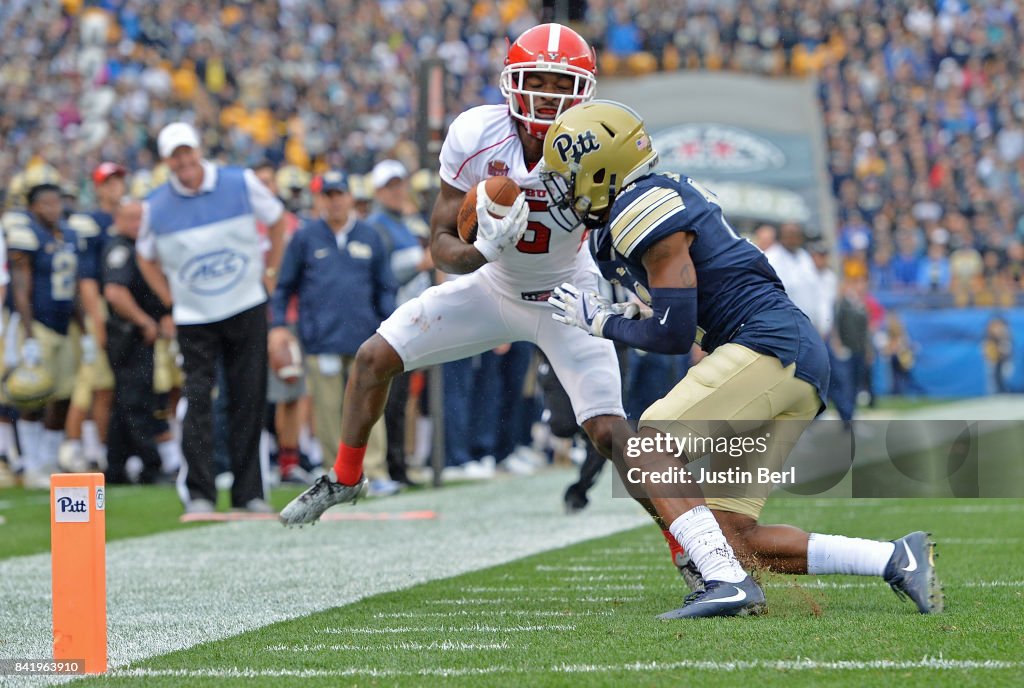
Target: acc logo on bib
(213,273)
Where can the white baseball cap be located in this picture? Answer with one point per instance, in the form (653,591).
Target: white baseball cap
(385,171)
(174,136)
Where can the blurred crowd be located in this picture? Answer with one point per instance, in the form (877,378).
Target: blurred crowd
(923,104)
(315,83)
(923,101)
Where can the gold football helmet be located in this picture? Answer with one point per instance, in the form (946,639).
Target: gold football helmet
(591,152)
(28,387)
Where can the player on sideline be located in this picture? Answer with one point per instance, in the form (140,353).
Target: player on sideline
(666,237)
(508,275)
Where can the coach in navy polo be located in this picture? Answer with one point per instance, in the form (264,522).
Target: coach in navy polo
(339,267)
(200,251)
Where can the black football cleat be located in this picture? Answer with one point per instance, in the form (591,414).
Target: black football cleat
(719,598)
(575,499)
(911,572)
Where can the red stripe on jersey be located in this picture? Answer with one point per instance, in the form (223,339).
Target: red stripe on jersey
(466,161)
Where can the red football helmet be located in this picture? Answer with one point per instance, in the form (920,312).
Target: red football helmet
(551,48)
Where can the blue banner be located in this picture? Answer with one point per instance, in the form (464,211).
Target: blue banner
(950,355)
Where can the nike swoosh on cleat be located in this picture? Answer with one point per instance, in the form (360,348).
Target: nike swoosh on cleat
(738,597)
(664,317)
(913,561)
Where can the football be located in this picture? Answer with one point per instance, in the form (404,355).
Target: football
(286,361)
(501,194)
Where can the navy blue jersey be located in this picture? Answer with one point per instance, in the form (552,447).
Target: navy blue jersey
(54,269)
(93,233)
(740,299)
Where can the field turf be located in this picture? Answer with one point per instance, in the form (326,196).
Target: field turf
(584,615)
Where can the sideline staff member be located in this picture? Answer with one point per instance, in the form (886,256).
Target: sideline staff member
(136,319)
(200,251)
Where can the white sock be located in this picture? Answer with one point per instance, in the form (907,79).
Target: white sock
(52,439)
(170,456)
(30,436)
(90,438)
(309,446)
(698,532)
(855,556)
(265,448)
(315,455)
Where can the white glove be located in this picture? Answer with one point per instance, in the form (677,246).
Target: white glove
(11,357)
(31,353)
(495,234)
(88,343)
(588,311)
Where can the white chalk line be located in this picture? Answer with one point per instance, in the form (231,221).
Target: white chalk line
(443,628)
(979,541)
(554,588)
(830,585)
(582,568)
(927,663)
(490,612)
(533,598)
(443,645)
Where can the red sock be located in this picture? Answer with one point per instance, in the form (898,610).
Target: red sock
(349,465)
(287,459)
(674,547)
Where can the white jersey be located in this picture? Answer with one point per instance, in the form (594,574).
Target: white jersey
(483,142)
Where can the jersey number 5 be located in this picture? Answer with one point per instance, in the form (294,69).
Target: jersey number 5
(538,236)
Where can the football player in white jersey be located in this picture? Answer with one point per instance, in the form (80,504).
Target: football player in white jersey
(507,274)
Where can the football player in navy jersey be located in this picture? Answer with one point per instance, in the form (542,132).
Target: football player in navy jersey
(665,237)
(94,380)
(43,258)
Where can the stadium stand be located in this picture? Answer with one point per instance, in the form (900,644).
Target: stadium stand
(922,100)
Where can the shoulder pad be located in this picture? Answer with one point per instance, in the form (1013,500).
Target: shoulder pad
(645,211)
(21,237)
(84,225)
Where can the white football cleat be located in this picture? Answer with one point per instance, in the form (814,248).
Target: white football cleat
(309,506)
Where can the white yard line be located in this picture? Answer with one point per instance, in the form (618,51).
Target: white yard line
(927,663)
(476,613)
(513,601)
(553,588)
(977,542)
(444,628)
(174,590)
(812,584)
(444,645)
(582,568)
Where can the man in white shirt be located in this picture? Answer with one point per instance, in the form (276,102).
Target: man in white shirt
(795,268)
(201,252)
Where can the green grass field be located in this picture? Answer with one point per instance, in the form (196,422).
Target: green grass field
(134,511)
(584,615)
(497,587)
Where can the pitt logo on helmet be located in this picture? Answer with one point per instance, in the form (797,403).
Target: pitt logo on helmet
(591,153)
(568,149)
